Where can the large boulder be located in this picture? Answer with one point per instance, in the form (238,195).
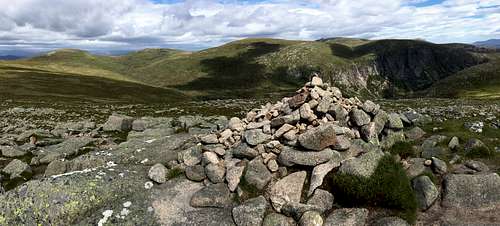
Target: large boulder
(290,156)
(364,166)
(318,138)
(359,117)
(251,212)
(256,136)
(425,191)
(257,174)
(120,123)
(17,169)
(217,195)
(319,172)
(288,189)
(471,191)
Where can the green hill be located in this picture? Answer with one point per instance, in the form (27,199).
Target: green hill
(390,68)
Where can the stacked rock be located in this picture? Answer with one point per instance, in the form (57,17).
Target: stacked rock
(317,129)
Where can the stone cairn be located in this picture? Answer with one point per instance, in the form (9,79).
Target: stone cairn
(317,129)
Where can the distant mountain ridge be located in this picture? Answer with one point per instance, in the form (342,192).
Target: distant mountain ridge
(10,57)
(253,67)
(491,43)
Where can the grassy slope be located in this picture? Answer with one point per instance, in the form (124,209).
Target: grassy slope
(480,81)
(240,68)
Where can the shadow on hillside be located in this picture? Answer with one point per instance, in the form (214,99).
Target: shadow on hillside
(238,75)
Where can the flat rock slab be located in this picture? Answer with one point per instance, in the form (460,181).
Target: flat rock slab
(217,195)
(472,191)
(364,166)
(347,217)
(288,189)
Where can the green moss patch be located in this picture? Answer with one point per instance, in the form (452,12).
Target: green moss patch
(388,187)
(403,149)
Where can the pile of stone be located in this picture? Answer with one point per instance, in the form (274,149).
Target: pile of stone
(318,130)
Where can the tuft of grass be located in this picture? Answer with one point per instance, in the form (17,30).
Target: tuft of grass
(388,187)
(174,173)
(480,152)
(403,149)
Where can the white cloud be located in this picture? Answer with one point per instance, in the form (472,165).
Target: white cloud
(122,24)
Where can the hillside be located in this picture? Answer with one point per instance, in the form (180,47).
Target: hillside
(491,43)
(253,67)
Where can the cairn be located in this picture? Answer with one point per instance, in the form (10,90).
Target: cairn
(317,129)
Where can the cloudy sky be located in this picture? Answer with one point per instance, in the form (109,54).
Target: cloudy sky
(112,25)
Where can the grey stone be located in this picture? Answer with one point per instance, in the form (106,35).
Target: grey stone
(257,174)
(343,143)
(191,156)
(56,167)
(380,121)
(439,166)
(158,173)
(425,191)
(323,199)
(324,105)
(364,165)
(318,138)
(392,138)
(415,133)
(210,139)
(233,176)
(291,119)
(369,133)
(477,166)
(454,143)
(359,117)
(390,221)
(347,217)
(282,130)
(195,173)
(139,125)
(276,219)
(320,171)
(370,107)
(471,191)
(307,113)
(251,212)
(215,172)
(311,218)
(120,123)
(395,122)
(298,100)
(316,81)
(256,136)
(12,151)
(209,157)
(416,167)
(295,209)
(290,156)
(338,112)
(433,152)
(244,151)
(17,169)
(287,189)
(474,143)
(217,195)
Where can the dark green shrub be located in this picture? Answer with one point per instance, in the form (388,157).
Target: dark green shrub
(388,187)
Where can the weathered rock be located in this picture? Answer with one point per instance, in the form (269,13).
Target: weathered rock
(476,165)
(380,120)
(251,212)
(138,125)
(364,165)
(236,124)
(347,217)
(195,173)
(439,166)
(256,136)
(120,123)
(319,172)
(276,219)
(316,81)
(272,165)
(324,105)
(471,191)
(257,174)
(215,172)
(416,167)
(319,137)
(158,173)
(454,143)
(395,122)
(295,209)
(390,221)
(306,112)
(191,156)
(282,130)
(425,191)
(288,189)
(298,99)
(233,176)
(433,152)
(370,107)
(323,199)
(343,143)
(210,139)
(217,195)
(209,157)
(17,169)
(415,133)
(244,151)
(12,151)
(338,112)
(369,133)
(359,117)
(290,156)
(291,119)
(56,167)
(311,218)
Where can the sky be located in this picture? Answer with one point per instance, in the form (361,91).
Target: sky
(110,26)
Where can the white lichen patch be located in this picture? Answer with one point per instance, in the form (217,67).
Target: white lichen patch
(106,214)
(148,185)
